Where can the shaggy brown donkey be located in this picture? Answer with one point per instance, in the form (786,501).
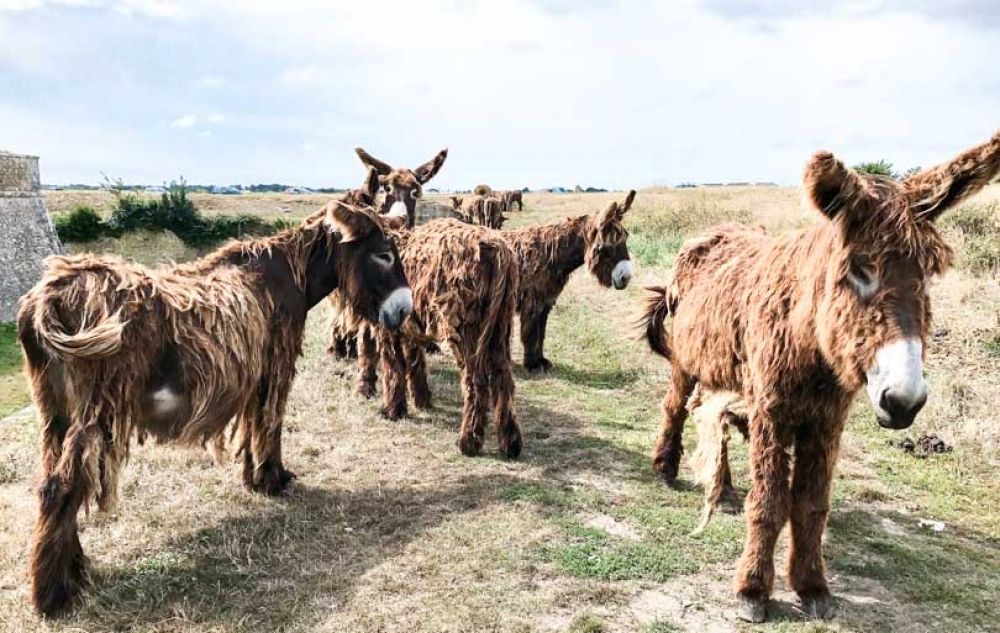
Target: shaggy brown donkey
(549,255)
(403,187)
(510,197)
(485,210)
(114,349)
(798,324)
(464,280)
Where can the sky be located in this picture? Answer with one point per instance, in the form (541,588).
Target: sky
(532,93)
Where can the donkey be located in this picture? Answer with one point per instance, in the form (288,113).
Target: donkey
(798,324)
(510,197)
(549,255)
(464,280)
(403,187)
(113,349)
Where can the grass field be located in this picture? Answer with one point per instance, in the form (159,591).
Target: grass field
(389,528)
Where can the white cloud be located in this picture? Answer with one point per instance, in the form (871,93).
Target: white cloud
(184,122)
(212,81)
(205,134)
(156,9)
(300,76)
(216,118)
(308,147)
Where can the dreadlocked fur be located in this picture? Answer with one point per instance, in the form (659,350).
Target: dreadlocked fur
(549,254)
(797,325)
(114,350)
(464,281)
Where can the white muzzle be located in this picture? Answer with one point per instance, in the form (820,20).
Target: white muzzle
(896,384)
(396,307)
(622,273)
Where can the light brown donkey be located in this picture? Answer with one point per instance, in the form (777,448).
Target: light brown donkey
(798,324)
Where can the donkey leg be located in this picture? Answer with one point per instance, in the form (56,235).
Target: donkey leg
(393,377)
(475,403)
(269,473)
(367,358)
(767,508)
(531,339)
(669,446)
(416,375)
(543,325)
(502,393)
(815,456)
(57,563)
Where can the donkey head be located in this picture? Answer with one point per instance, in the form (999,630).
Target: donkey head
(366,194)
(403,187)
(369,272)
(606,248)
(456,203)
(874,314)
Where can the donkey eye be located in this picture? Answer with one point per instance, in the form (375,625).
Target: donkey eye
(863,279)
(385,259)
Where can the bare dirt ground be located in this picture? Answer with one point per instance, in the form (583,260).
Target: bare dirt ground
(389,528)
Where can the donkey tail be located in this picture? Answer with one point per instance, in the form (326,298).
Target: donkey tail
(100,340)
(659,303)
(503,300)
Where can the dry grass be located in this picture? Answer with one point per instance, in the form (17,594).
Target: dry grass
(389,528)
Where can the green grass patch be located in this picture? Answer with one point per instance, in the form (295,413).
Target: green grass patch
(13,390)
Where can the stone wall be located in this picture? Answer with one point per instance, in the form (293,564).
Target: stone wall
(427,211)
(26,232)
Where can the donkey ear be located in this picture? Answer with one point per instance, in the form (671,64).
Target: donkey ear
(381,168)
(830,186)
(932,191)
(371,183)
(347,221)
(429,169)
(611,213)
(629,199)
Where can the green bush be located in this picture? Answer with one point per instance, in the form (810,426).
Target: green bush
(82,224)
(173,211)
(877,168)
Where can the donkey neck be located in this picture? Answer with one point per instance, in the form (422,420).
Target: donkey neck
(570,245)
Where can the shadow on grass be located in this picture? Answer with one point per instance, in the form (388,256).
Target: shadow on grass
(286,564)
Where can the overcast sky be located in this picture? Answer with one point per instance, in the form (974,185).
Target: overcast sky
(524,93)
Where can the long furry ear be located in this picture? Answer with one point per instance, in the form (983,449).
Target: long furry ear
(344,219)
(830,186)
(429,169)
(932,191)
(381,168)
(609,214)
(629,199)
(371,183)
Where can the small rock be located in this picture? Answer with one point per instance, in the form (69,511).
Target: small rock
(937,526)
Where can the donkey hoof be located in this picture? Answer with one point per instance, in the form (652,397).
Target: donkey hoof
(365,390)
(818,605)
(510,445)
(751,609)
(470,445)
(538,367)
(392,413)
(272,480)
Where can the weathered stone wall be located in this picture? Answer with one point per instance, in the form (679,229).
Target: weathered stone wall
(427,211)
(26,232)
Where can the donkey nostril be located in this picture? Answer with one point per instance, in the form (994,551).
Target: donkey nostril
(899,405)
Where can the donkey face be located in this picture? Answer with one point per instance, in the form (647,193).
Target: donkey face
(370,274)
(875,313)
(403,187)
(607,251)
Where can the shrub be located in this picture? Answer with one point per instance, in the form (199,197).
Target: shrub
(82,224)
(880,167)
(980,224)
(173,211)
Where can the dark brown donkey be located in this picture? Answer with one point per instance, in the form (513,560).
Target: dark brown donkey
(549,254)
(402,187)
(798,324)
(115,350)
